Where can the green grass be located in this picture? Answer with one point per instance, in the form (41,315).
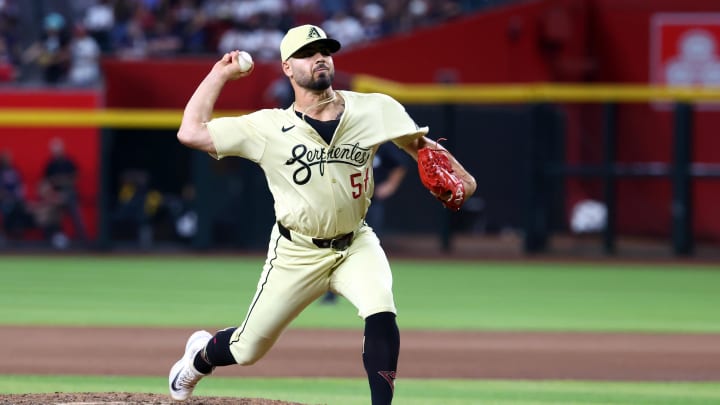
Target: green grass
(215,291)
(408,391)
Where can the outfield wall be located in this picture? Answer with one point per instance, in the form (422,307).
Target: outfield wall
(29,145)
(587,41)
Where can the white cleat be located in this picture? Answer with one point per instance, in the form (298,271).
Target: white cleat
(183,376)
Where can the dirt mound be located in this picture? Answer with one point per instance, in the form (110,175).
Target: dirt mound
(120,398)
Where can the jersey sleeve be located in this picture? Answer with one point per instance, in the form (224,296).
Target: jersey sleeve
(237,136)
(398,124)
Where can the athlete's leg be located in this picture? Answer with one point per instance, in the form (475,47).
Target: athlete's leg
(365,279)
(381,348)
(293,277)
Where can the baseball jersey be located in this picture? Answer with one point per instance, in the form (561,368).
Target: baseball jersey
(320,190)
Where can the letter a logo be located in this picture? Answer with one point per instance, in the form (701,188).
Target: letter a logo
(313,33)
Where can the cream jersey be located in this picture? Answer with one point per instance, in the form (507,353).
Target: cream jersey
(320,190)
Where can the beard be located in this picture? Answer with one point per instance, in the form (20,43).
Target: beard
(323,82)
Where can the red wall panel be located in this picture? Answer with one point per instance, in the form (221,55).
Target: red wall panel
(170,83)
(29,146)
(621,41)
(543,40)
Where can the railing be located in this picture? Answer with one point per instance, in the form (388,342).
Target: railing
(681,171)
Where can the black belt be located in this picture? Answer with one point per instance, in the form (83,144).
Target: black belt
(339,243)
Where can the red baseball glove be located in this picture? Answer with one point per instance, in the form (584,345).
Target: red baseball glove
(438,176)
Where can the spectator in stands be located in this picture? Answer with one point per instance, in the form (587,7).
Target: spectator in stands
(99,21)
(47,213)
(191,23)
(267,38)
(125,12)
(425,13)
(345,28)
(372,20)
(9,52)
(137,206)
(307,11)
(7,67)
(85,59)
(235,37)
(398,14)
(132,44)
(162,41)
(332,7)
(219,20)
(158,28)
(183,213)
(13,210)
(447,10)
(61,176)
(78,9)
(52,52)
(419,11)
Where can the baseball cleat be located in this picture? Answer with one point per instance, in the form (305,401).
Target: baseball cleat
(183,376)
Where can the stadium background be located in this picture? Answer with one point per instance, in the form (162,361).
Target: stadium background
(528,42)
(580,78)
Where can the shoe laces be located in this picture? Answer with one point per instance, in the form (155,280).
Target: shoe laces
(188,378)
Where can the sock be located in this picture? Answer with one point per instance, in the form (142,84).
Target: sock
(216,352)
(381,349)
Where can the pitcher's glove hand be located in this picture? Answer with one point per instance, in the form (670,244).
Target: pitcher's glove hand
(438,176)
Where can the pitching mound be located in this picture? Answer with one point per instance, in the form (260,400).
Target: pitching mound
(119,398)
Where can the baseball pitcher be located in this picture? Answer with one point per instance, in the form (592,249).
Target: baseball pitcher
(317,156)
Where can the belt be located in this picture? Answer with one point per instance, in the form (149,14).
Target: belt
(340,243)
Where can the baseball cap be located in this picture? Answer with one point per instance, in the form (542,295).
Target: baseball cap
(303,35)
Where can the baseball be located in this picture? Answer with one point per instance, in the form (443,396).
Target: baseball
(245,61)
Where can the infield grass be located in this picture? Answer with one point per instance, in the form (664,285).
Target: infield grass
(215,291)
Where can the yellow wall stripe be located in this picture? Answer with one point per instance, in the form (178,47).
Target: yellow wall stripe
(110,118)
(532,92)
(406,93)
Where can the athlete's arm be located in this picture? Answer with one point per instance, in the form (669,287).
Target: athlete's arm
(193,130)
(412,147)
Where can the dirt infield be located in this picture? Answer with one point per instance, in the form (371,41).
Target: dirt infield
(331,353)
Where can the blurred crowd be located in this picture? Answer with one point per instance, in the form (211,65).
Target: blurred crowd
(62,41)
(54,198)
(48,208)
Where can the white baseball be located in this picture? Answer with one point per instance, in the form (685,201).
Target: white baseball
(245,61)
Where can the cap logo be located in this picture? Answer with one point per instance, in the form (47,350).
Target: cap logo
(313,33)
